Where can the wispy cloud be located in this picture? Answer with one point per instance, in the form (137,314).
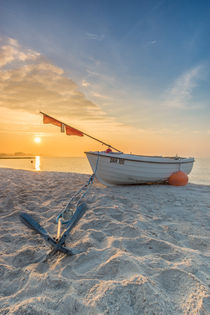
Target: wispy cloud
(99,95)
(150,43)
(93,36)
(13,42)
(85,83)
(10,51)
(179,94)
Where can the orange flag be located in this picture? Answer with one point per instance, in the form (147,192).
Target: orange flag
(73,132)
(50,120)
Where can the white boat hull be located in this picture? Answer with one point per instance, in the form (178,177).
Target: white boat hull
(128,169)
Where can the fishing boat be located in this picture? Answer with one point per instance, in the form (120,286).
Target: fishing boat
(117,168)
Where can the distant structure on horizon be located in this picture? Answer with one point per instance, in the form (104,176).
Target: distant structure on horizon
(17,155)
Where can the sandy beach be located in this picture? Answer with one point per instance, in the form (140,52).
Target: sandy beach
(143,249)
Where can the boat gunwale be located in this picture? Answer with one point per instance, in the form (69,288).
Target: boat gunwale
(182,161)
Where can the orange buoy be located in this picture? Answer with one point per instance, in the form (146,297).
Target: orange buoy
(178,179)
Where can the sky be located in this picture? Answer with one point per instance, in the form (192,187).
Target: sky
(135,74)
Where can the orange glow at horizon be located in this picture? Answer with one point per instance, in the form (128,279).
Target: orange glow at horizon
(18,135)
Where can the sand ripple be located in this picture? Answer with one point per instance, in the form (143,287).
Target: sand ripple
(142,249)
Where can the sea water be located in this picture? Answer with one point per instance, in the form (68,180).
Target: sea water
(200,173)
(55,164)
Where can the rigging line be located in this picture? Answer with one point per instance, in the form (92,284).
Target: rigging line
(86,188)
(90,182)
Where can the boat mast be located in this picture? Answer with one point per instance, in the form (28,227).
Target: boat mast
(108,145)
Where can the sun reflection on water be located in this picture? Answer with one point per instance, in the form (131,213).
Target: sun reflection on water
(37,163)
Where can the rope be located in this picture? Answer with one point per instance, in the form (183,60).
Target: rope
(77,197)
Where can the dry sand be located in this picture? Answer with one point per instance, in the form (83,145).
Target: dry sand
(145,249)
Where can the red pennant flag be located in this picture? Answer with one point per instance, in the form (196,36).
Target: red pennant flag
(73,132)
(70,131)
(50,120)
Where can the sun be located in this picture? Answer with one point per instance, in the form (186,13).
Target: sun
(37,139)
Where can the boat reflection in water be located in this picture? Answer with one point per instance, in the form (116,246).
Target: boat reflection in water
(37,163)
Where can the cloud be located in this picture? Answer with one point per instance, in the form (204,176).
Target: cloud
(13,42)
(150,43)
(37,85)
(98,37)
(10,51)
(180,94)
(85,83)
(100,96)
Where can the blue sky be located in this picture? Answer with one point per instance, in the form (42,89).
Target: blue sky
(146,64)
